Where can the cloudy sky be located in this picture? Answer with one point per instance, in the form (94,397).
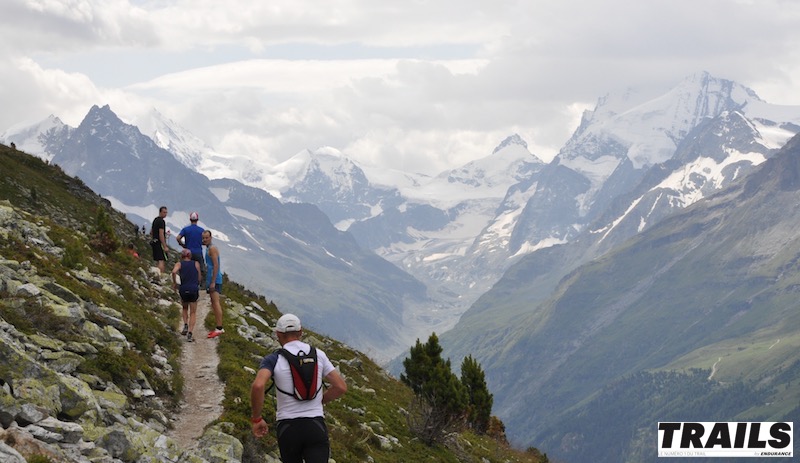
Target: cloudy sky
(417,85)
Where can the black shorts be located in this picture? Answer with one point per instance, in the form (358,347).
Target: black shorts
(158,251)
(303,439)
(189,295)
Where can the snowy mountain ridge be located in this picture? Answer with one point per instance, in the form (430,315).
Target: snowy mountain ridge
(614,146)
(40,139)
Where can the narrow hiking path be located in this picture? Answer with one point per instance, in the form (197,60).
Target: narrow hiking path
(202,389)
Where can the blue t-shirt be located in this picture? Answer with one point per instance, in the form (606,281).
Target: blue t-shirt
(193,238)
(210,268)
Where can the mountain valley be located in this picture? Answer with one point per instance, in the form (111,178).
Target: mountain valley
(658,244)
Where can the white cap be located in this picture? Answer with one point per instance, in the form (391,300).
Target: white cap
(194,216)
(288,323)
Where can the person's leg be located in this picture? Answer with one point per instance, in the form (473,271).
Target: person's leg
(185,316)
(216,306)
(158,256)
(192,315)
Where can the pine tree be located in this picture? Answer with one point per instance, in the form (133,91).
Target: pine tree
(419,365)
(480,400)
(432,380)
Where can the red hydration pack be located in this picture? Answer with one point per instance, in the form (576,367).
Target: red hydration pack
(304,374)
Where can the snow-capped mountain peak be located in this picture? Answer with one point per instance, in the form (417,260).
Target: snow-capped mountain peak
(647,132)
(492,175)
(40,139)
(509,141)
(169,135)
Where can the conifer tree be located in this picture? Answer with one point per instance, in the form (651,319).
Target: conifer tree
(432,380)
(479,410)
(419,365)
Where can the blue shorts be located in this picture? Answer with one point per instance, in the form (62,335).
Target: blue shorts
(217,288)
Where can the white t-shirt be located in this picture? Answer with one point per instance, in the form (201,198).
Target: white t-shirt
(289,407)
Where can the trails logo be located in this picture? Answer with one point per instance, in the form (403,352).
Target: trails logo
(687,439)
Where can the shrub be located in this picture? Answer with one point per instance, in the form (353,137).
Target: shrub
(73,256)
(104,239)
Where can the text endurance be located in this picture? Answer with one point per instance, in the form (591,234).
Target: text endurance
(725,439)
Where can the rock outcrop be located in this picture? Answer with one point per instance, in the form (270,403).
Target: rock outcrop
(49,405)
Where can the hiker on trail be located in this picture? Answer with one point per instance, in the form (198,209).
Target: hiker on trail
(300,424)
(191,238)
(213,282)
(158,239)
(189,289)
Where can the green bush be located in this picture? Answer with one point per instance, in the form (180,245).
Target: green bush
(73,256)
(112,367)
(104,239)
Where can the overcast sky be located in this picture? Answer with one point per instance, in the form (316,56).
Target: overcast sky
(417,85)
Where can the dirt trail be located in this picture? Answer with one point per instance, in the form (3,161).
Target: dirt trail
(202,389)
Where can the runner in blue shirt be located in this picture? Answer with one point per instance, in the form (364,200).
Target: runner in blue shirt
(191,238)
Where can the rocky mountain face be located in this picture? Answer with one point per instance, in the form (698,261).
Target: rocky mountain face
(709,289)
(621,141)
(602,189)
(460,231)
(424,225)
(289,251)
(337,186)
(195,154)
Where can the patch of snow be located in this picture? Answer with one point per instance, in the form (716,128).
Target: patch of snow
(528,248)
(222,194)
(242,213)
(597,171)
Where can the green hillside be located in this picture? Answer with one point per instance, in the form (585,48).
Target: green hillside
(78,237)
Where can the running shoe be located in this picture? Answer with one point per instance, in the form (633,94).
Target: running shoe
(189,337)
(215,333)
(185,330)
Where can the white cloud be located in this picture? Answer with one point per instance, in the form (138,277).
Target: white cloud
(419,86)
